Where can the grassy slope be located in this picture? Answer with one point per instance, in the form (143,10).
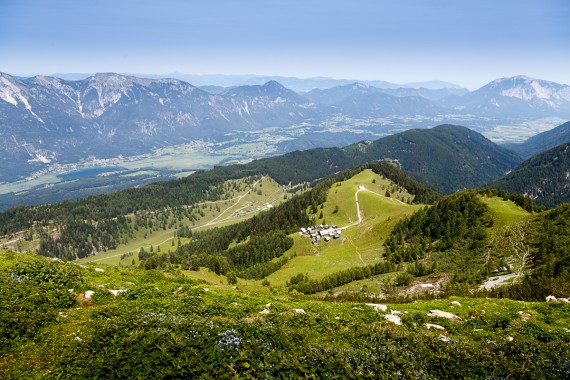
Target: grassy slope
(167,326)
(505,214)
(508,219)
(250,200)
(360,244)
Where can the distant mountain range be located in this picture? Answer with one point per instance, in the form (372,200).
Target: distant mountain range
(518,96)
(544,177)
(360,100)
(47,120)
(296,84)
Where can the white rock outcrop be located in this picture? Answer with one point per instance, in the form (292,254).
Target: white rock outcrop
(434,326)
(377,306)
(116,292)
(444,314)
(394,319)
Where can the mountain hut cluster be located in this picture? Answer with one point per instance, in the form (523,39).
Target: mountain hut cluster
(322,232)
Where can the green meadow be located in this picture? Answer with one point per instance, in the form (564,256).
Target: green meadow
(361,243)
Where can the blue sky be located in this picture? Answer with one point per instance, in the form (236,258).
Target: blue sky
(465,42)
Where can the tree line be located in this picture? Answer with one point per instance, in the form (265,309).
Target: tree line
(303,284)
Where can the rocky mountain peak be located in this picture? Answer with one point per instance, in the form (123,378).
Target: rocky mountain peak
(527,89)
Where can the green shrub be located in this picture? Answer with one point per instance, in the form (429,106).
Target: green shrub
(38,271)
(27,306)
(404,279)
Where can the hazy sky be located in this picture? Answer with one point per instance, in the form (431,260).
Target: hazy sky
(466,42)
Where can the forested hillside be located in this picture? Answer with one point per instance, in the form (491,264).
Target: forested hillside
(454,226)
(544,177)
(447,158)
(79,229)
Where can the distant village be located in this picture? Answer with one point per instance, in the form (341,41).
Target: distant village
(322,232)
(250,207)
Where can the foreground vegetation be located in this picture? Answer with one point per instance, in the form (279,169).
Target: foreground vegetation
(167,326)
(280,303)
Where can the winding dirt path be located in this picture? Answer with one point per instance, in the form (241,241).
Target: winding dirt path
(195,228)
(357,208)
(213,221)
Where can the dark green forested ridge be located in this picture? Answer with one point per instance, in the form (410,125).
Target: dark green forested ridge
(447,157)
(543,177)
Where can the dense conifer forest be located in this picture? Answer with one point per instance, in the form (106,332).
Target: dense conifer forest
(543,177)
